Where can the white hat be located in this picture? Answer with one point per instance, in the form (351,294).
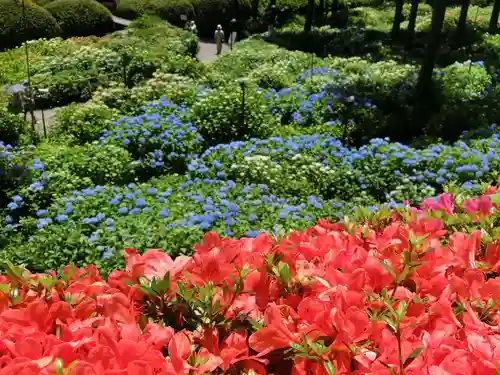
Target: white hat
(219,27)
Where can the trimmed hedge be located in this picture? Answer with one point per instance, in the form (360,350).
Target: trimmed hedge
(39,23)
(207,13)
(43,3)
(170,10)
(81,17)
(130,9)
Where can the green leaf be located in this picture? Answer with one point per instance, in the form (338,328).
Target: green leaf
(285,272)
(401,310)
(47,282)
(146,290)
(297,347)
(5,288)
(391,370)
(414,354)
(495,198)
(329,367)
(388,268)
(160,287)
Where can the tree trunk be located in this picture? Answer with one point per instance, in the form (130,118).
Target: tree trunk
(412,22)
(462,21)
(309,16)
(398,18)
(321,12)
(424,83)
(255,8)
(334,9)
(494,17)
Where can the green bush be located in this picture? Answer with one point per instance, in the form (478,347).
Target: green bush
(39,23)
(67,168)
(84,123)
(81,17)
(170,10)
(43,3)
(221,117)
(130,9)
(251,55)
(13,128)
(176,88)
(158,38)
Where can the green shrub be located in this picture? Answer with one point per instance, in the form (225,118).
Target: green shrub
(43,3)
(276,76)
(13,128)
(251,55)
(84,123)
(39,23)
(75,76)
(159,38)
(170,10)
(81,17)
(177,89)
(67,87)
(220,116)
(67,168)
(130,9)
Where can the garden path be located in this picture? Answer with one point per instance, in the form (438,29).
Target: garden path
(121,21)
(208,51)
(49,115)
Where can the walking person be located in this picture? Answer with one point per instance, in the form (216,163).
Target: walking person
(219,38)
(21,101)
(193,28)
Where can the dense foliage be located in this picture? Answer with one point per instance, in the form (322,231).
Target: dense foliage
(315,165)
(207,13)
(72,70)
(224,164)
(170,11)
(81,17)
(39,23)
(13,129)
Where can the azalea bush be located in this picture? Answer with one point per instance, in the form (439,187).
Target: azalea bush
(407,296)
